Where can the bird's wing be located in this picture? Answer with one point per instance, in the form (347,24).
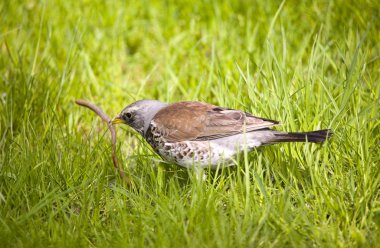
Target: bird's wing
(202,121)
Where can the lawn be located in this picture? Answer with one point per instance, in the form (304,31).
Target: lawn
(309,64)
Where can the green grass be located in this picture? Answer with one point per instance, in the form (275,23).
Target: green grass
(309,64)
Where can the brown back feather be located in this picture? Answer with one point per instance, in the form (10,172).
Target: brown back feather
(202,121)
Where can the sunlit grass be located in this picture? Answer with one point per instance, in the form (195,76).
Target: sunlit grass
(311,65)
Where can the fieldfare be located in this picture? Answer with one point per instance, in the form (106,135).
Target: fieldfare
(201,134)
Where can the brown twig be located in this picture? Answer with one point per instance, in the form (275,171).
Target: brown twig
(112,129)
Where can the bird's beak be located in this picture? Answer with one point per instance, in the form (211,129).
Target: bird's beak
(117,120)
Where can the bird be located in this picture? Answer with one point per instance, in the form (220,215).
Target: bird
(202,135)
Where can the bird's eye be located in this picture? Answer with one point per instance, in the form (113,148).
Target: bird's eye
(128,115)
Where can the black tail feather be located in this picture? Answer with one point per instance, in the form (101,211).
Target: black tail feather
(314,136)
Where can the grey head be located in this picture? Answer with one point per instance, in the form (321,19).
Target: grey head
(139,114)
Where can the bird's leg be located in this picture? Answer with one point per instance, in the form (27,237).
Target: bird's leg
(200,174)
(160,177)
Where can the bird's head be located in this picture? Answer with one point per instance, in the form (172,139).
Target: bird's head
(139,114)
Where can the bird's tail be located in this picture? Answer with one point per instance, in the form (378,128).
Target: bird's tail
(313,136)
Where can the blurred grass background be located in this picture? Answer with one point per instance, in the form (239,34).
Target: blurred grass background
(308,64)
